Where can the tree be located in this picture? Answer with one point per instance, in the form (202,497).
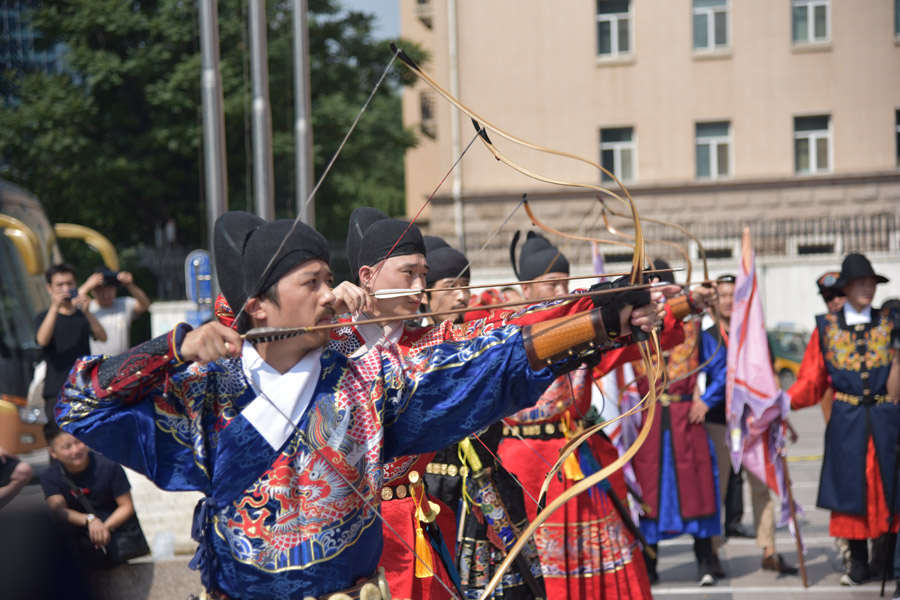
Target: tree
(114,142)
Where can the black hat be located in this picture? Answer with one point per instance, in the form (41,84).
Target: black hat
(827,283)
(856,266)
(444,262)
(244,245)
(728,278)
(110,277)
(538,257)
(373,235)
(665,271)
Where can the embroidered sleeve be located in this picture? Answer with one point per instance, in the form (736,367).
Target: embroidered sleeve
(715,370)
(812,378)
(146,410)
(450,390)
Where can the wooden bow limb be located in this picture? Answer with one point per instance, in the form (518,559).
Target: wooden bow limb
(417,70)
(636,276)
(675,226)
(581,486)
(706,280)
(608,226)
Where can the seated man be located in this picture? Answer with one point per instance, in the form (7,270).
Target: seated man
(14,475)
(286,439)
(101,481)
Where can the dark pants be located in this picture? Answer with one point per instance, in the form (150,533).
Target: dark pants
(734,500)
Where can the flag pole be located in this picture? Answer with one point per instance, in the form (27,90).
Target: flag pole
(790,492)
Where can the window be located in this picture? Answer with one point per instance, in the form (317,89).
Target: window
(810,21)
(812,144)
(426,110)
(896,18)
(617,152)
(897,128)
(712,150)
(710,24)
(613,28)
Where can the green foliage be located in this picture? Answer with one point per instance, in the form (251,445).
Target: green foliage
(115,142)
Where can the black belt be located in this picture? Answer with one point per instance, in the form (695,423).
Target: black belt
(546,431)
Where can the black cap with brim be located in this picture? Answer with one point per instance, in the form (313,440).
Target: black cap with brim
(827,284)
(244,245)
(444,262)
(539,257)
(857,266)
(665,273)
(373,236)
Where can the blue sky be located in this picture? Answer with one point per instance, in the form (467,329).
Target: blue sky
(387,13)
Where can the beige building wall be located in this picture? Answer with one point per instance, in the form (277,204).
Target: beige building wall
(531,68)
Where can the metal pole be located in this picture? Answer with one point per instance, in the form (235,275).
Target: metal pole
(303,121)
(213,118)
(454,128)
(261,114)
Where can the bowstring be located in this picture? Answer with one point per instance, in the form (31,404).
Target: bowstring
(427,202)
(296,429)
(489,240)
(325,173)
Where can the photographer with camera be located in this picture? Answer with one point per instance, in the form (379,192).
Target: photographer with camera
(115,313)
(64,330)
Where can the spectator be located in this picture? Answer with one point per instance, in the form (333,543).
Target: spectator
(730,483)
(103,483)
(14,475)
(64,330)
(714,398)
(834,299)
(114,313)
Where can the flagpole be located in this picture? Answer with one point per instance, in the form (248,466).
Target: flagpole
(797,539)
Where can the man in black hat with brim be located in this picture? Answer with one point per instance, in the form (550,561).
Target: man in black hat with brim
(851,349)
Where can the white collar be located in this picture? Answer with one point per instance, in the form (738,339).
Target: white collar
(372,333)
(279,395)
(852,317)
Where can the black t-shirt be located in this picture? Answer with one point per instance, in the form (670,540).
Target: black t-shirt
(71,340)
(101,482)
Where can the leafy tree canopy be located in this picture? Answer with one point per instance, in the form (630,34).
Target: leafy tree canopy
(114,142)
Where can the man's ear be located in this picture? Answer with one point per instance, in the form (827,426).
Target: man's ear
(426,300)
(255,309)
(365,275)
(526,291)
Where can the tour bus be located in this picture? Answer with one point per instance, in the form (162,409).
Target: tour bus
(27,247)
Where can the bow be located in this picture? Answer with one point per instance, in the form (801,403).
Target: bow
(636,276)
(706,280)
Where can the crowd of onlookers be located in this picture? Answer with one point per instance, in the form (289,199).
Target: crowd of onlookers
(88,495)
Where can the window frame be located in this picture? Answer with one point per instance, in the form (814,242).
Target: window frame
(616,148)
(714,141)
(710,13)
(813,136)
(810,22)
(613,19)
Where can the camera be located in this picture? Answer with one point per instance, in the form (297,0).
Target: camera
(73,293)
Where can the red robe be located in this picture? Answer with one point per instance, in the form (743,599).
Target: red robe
(585,549)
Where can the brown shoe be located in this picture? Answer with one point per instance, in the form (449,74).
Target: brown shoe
(776,563)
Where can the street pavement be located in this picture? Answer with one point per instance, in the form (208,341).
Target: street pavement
(741,557)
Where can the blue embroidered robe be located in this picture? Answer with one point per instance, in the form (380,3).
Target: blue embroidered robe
(300,519)
(858,360)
